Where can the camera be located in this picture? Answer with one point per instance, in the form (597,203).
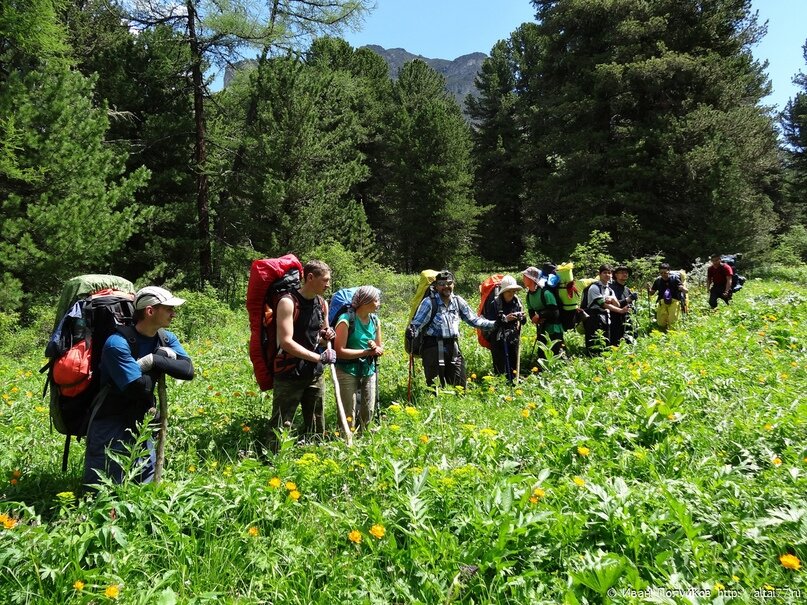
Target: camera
(634,296)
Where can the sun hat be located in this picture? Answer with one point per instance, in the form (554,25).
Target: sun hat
(154,295)
(508,283)
(533,273)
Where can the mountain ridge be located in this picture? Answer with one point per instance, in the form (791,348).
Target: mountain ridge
(459,73)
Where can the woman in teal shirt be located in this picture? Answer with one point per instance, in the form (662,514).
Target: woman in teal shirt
(358,343)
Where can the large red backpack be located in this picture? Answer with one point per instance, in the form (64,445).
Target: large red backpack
(488,288)
(269,280)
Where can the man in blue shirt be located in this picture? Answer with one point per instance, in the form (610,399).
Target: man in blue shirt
(441,353)
(132,361)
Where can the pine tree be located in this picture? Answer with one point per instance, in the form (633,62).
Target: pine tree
(430,214)
(645,121)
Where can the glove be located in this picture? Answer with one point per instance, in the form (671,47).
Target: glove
(166,352)
(146,362)
(328,356)
(327,334)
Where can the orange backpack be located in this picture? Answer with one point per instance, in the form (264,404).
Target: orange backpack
(488,288)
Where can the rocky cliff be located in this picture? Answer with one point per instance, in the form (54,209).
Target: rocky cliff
(459,73)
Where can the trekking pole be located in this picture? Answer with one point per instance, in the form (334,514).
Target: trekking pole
(163,397)
(409,385)
(340,409)
(518,355)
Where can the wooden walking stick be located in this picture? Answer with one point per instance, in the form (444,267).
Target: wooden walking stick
(518,354)
(340,409)
(163,397)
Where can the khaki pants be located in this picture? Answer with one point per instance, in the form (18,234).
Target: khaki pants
(358,397)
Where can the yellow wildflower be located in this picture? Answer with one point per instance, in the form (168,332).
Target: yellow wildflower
(354,536)
(735,578)
(394,427)
(245,428)
(519,392)
(378,531)
(473,376)
(768,426)
(395,407)
(78,585)
(112,591)
(538,492)
(718,587)
(531,405)
(9,522)
(789,561)
(534,370)
(533,500)
(424,438)
(291,486)
(486,432)
(525,413)
(768,587)
(410,411)
(579,481)
(192,468)
(294,495)
(583,450)
(597,379)
(253,531)
(777,461)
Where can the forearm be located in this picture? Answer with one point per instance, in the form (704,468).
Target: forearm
(296,350)
(180,368)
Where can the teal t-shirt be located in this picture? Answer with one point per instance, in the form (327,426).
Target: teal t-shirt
(359,338)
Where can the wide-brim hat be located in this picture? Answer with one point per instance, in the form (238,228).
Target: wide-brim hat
(508,284)
(533,273)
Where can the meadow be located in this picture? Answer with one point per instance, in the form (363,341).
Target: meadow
(671,471)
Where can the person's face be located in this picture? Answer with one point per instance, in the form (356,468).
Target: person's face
(508,296)
(530,284)
(665,273)
(163,315)
(444,288)
(370,307)
(605,276)
(621,277)
(715,261)
(320,283)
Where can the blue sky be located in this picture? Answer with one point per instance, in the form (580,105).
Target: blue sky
(447,29)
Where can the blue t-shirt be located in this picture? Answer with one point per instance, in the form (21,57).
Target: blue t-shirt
(118,363)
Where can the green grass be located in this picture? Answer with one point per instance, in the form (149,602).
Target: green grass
(677,464)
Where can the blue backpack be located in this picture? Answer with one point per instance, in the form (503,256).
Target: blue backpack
(340,304)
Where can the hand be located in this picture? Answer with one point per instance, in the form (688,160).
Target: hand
(166,352)
(536,319)
(146,363)
(328,356)
(327,334)
(512,317)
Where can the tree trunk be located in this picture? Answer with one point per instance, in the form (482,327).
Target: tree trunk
(200,153)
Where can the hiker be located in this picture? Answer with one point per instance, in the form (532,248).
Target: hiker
(302,328)
(599,305)
(718,280)
(505,339)
(622,327)
(441,353)
(132,361)
(358,346)
(670,296)
(543,307)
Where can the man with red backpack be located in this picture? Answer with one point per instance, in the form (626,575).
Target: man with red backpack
(302,328)
(718,280)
